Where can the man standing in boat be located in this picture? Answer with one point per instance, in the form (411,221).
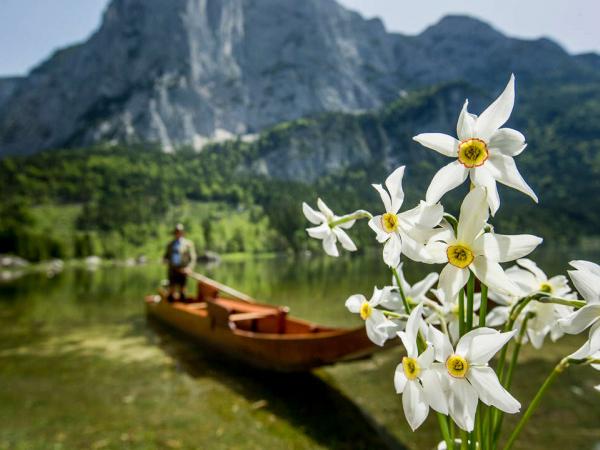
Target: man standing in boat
(181,258)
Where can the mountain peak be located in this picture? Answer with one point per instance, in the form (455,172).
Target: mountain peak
(453,25)
(188,71)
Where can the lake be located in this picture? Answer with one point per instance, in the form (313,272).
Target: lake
(81,367)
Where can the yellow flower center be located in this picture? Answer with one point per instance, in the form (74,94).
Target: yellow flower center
(546,287)
(460,255)
(411,367)
(472,153)
(365,310)
(457,366)
(389,221)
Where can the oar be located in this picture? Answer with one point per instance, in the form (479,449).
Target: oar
(221,287)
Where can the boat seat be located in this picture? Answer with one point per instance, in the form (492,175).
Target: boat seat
(207,292)
(268,321)
(250,315)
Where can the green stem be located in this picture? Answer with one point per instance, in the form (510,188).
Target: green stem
(356,215)
(515,355)
(513,315)
(508,376)
(470,300)
(445,431)
(560,367)
(394,315)
(483,307)
(452,221)
(461,312)
(561,301)
(402,296)
(464,440)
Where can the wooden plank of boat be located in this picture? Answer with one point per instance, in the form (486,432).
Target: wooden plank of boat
(262,335)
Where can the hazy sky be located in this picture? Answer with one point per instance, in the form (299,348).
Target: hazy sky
(31,29)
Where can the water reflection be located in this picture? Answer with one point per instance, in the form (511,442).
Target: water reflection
(302,399)
(65,314)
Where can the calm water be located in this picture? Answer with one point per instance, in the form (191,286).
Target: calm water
(81,368)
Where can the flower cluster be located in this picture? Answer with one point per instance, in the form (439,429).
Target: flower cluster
(448,334)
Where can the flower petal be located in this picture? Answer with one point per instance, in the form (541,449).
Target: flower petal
(441,344)
(385,197)
(497,316)
(424,214)
(452,280)
(409,335)
(394,187)
(473,215)
(441,143)
(320,232)
(480,176)
(462,403)
(329,245)
(328,213)
(490,391)
(507,141)
(413,249)
(392,250)
(586,281)
(503,248)
(586,266)
(580,319)
(375,225)
(533,268)
(497,113)
(312,216)
(400,379)
(465,128)
(415,407)
(492,274)
(344,239)
(433,390)
(504,170)
(446,179)
(485,345)
(436,252)
(426,358)
(354,302)
(420,288)
(464,344)
(375,331)
(591,346)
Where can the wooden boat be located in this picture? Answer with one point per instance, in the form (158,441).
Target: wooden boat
(262,335)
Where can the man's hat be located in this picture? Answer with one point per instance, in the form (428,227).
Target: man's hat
(179,227)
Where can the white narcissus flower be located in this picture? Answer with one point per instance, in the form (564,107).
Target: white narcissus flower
(375,321)
(586,279)
(324,231)
(472,249)
(406,232)
(417,377)
(483,151)
(531,279)
(468,374)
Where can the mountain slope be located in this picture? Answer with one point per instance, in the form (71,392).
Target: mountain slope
(125,193)
(184,71)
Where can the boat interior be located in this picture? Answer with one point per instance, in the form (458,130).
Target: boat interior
(244,316)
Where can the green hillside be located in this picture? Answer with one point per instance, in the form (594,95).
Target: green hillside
(236,196)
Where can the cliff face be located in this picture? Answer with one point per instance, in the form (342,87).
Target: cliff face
(185,71)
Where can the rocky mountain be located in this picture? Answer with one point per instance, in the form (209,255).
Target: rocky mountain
(186,71)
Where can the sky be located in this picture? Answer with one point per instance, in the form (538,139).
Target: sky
(30,30)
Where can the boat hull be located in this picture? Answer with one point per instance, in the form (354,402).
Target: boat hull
(289,351)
